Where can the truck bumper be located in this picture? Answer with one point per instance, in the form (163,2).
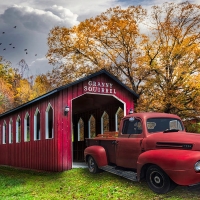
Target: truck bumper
(184,177)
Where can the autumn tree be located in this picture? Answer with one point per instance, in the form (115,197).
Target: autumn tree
(173,55)
(6,79)
(15,88)
(110,40)
(6,96)
(62,75)
(41,86)
(21,85)
(23,92)
(156,54)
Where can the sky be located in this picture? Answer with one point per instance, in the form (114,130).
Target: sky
(25,24)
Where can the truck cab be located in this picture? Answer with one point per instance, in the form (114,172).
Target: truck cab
(154,146)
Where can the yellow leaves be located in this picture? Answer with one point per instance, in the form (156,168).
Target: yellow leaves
(194,82)
(41,86)
(6,96)
(6,81)
(158,64)
(94,38)
(23,91)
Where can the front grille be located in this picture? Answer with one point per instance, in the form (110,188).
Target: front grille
(171,145)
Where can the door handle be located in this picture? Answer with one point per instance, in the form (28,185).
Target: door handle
(115,142)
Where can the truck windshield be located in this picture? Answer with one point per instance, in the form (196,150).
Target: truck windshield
(164,125)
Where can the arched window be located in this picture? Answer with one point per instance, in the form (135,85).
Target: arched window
(104,122)
(11,131)
(80,130)
(49,122)
(4,133)
(37,125)
(118,116)
(92,127)
(18,130)
(27,128)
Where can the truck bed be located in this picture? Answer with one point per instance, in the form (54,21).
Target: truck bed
(106,140)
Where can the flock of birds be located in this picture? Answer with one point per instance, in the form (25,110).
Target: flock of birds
(4,49)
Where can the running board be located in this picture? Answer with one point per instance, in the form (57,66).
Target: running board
(126,174)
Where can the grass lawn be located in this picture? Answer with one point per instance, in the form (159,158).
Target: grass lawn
(79,184)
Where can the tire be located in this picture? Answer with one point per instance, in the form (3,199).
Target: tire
(158,181)
(92,166)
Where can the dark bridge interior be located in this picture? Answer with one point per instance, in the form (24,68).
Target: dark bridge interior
(85,106)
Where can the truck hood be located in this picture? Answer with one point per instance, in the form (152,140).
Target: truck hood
(173,140)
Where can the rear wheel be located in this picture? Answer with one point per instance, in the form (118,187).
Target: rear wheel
(158,180)
(92,166)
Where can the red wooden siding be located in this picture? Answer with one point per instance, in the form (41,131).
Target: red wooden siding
(56,154)
(42,154)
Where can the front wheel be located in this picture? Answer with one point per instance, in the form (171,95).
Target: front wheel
(92,166)
(158,180)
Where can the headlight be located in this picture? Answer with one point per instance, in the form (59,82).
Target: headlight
(197,166)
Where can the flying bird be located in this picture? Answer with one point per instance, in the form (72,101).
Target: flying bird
(26,50)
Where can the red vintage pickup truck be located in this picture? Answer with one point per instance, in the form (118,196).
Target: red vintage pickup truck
(154,146)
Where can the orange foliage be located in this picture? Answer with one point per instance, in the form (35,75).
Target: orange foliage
(160,64)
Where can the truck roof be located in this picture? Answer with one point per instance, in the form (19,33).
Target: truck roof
(146,115)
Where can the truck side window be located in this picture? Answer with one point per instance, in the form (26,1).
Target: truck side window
(132,127)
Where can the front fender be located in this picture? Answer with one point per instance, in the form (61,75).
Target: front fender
(98,153)
(177,164)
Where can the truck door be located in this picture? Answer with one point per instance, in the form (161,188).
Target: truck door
(110,147)
(128,146)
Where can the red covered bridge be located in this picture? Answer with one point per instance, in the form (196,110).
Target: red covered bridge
(48,132)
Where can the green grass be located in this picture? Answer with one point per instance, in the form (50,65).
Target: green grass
(79,184)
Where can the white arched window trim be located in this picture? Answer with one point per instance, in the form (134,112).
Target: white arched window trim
(26,127)
(4,133)
(10,131)
(116,119)
(47,122)
(35,125)
(18,123)
(79,129)
(102,125)
(89,126)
